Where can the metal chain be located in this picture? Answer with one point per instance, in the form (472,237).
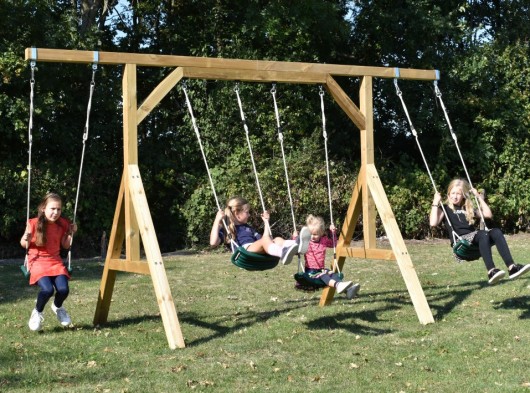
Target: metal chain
(30,144)
(85,138)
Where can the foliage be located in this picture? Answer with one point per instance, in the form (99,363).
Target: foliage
(480,47)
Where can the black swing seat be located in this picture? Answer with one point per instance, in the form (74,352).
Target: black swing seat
(253,261)
(465,250)
(310,282)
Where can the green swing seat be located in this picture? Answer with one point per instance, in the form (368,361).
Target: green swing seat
(466,251)
(24,271)
(308,282)
(27,273)
(253,261)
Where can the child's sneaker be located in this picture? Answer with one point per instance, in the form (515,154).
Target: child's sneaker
(303,240)
(495,276)
(62,315)
(35,321)
(518,270)
(342,286)
(353,291)
(288,254)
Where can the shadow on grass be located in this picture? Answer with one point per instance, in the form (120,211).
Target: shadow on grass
(66,380)
(444,298)
(517,303)
(343,321)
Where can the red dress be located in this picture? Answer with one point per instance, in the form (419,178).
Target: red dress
(46,260)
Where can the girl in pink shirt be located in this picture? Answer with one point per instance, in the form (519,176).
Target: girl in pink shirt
(43,239)
(315,257)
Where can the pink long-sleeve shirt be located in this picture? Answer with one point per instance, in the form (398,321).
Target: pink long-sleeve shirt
(315,258)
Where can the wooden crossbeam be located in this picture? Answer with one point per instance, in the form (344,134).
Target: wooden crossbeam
(149,60)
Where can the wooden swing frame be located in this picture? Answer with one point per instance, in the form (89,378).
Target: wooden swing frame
(132,218)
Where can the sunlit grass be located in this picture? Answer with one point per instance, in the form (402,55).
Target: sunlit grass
(254,332)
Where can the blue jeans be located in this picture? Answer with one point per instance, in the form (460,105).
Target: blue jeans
(47,286)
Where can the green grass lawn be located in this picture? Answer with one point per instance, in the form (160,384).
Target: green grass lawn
(252,331)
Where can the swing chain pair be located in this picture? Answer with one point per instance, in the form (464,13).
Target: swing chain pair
(30,143)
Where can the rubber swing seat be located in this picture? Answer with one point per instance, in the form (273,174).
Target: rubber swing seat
(253,261)
(466,251)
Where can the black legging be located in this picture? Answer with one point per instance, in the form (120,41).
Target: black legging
(486,239)
(326,278)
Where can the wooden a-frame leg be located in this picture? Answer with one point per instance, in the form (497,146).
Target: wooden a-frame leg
(398,246)
(115,246)
(154,259)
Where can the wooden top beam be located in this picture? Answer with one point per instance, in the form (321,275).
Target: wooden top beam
(152,60)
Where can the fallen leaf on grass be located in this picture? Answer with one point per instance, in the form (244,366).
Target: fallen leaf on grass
(178,369)
(193,384)
(91,364)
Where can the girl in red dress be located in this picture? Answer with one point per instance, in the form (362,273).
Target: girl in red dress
(43,239)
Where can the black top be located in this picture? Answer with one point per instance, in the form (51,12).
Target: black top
(458,221)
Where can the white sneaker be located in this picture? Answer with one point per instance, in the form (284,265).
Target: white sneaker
(288,254)
(303,240)
(62,315)
(35,321)
(353,291)
(342,286)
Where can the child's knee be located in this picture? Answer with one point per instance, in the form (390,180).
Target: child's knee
(63,291)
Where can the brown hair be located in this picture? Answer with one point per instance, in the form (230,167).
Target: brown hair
(468,205)
(42,222)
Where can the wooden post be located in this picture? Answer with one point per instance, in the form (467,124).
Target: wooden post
(132,223)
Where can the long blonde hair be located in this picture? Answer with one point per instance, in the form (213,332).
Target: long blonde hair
(233,206)
(468,204)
